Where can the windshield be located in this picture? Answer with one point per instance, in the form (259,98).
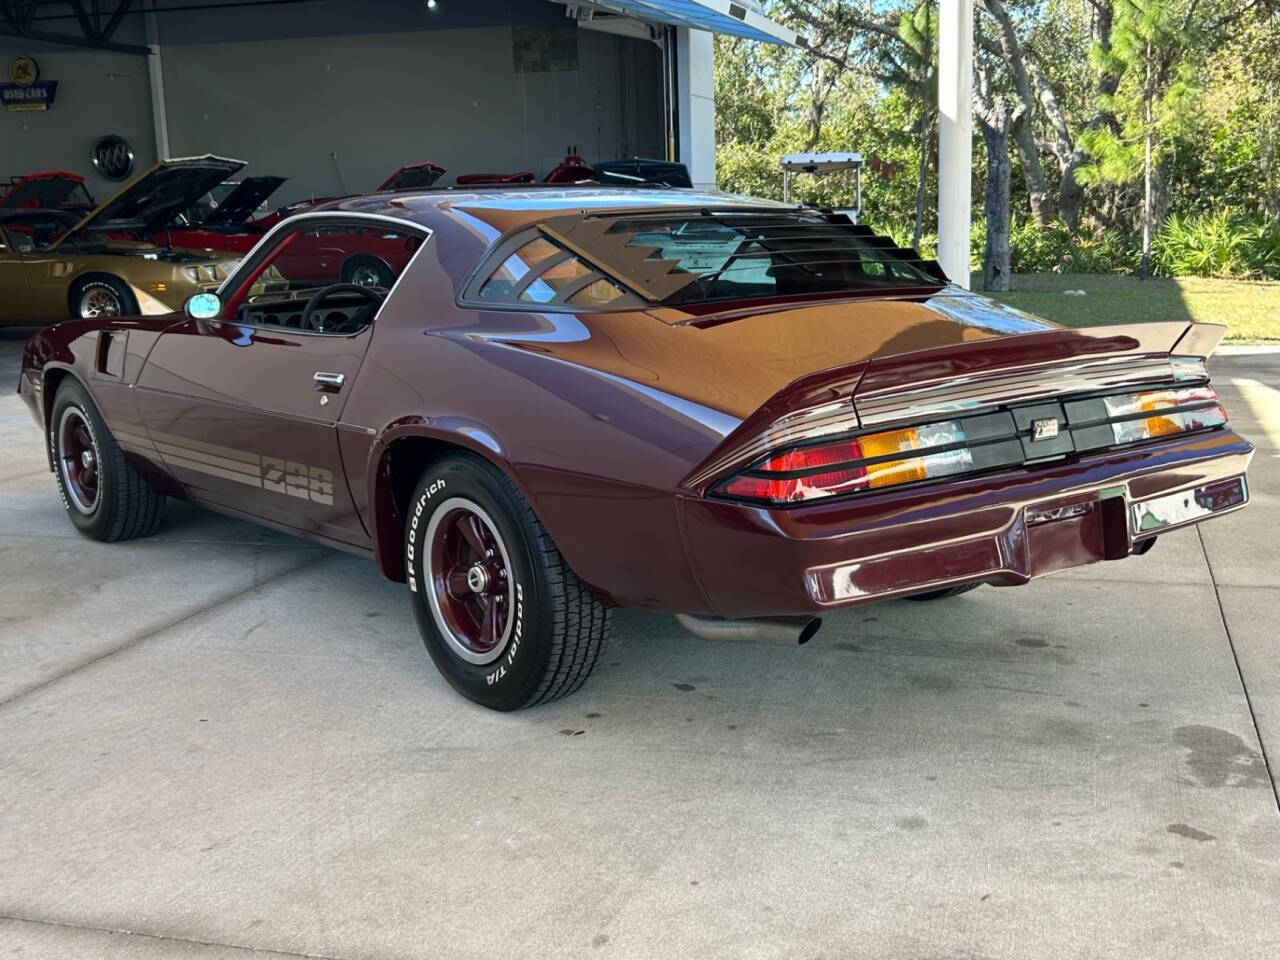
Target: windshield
(37,230)
(732,256)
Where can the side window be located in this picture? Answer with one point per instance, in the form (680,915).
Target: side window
(533,270)
(319,254)
(328,253)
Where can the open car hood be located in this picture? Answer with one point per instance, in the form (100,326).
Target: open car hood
(45,191)
(240,204)
(639,170)
(157,196)
(413,176)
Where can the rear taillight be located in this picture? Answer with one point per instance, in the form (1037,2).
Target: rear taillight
(979,442)
(1168,411)
(863,463)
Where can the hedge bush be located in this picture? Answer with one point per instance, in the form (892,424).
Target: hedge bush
(1221,244)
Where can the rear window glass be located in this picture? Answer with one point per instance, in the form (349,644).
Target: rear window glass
(598,293)
(512,270)
(693,257)
(736,256)
(538,271)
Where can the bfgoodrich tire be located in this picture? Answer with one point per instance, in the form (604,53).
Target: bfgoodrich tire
(503,617)
(104,496)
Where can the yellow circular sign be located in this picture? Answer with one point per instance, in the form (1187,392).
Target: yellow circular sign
(23,71)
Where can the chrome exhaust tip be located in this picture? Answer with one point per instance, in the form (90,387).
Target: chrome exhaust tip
(789,630)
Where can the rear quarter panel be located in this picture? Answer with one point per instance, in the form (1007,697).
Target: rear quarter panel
(597,456)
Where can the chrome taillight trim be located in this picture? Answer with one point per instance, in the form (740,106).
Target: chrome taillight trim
(955,397)
(968,395)
(812,423)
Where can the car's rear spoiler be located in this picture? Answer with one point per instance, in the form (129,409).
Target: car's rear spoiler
(938,382)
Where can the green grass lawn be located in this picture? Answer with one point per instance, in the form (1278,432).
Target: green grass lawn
(1251,310)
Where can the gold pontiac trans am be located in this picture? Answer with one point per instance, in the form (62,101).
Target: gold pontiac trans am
(55,265)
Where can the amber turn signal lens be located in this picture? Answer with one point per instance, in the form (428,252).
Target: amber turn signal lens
(860,463)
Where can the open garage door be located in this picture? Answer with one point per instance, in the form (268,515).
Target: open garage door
(739,19)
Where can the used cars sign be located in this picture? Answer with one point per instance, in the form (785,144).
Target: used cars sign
(25,91)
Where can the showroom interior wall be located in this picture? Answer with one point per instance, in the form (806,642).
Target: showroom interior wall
(98,93)
(338,117)
(477,85)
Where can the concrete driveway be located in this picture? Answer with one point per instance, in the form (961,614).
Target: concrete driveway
(225,743)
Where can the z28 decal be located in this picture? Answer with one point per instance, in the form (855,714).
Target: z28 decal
(275,474)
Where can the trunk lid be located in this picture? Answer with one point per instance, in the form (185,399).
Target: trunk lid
(928,360)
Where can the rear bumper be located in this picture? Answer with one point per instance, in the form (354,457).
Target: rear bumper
(1005,528)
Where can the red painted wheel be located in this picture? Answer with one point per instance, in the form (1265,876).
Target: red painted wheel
(499,610)
(78,460)
(472,591)
(106,498)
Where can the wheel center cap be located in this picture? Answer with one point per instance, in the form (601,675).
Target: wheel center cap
(86,459)
(477,578)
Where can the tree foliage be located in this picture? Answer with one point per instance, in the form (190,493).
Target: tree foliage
(1119,113)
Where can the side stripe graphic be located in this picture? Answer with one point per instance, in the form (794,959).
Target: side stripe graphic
(287,477)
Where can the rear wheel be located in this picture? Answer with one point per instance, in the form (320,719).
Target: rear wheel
(101,296)
(105,497)
(367,271)
(943,594)
(502,615)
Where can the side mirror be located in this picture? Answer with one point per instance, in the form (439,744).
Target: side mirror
(203,306)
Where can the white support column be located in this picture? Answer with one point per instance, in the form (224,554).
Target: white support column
(955,136)
(696,104)
(155,74)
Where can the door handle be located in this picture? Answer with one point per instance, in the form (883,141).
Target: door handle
(329,382)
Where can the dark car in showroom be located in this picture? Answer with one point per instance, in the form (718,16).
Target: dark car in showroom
(566,399)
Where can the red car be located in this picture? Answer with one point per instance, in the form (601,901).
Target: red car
(50,190)
(580,398)
(413,176)
(638,171)
(227,226)
(224,224)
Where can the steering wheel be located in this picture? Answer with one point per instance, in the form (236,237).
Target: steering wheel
(310,322)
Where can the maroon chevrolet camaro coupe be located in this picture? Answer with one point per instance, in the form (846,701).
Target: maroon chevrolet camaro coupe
(559,400)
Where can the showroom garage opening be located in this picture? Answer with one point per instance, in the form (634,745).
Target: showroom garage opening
(335,95)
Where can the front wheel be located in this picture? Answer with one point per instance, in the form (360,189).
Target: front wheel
(101,296)
(367,271)
(105,497)
(502,615)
